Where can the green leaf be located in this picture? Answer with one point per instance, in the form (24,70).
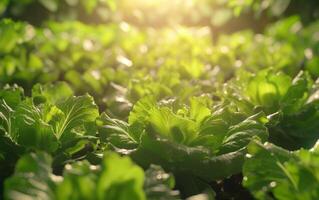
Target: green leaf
(10,150)
(117,133)
(158,184)
(267,89)
(140,111)
(182,129)
(298,130)
(12,95)
(177,128)
(33,131)
(270,170)
(79,181)
(32,179)
(52,93)
(241,134)
(116,178)
(200,108)
(7,127)
(26,126)
(312,66)
(180,158)
(297,93)
(120,179)
(11,33)
(75,112)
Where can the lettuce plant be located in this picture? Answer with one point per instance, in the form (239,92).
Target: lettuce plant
(270,171)
(291,105)
(52,120)
(115,178)
(193,139)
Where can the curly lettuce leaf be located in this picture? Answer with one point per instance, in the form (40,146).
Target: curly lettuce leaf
(290,104)
(116,132)
(64,126)
(193,160)
(272,171)
(75,111)
(32,130)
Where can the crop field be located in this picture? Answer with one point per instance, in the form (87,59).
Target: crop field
(159,99)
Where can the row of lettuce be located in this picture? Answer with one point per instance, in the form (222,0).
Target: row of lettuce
(118,64)
(202,140)
(203,110)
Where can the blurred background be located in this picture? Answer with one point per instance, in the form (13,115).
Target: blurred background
(119,50)
(221,15)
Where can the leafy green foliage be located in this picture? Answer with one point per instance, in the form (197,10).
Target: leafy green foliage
(185,86)
(288,102)
(209,141)
(33,178)
(59,125)
(270,170)
(279,91)
(158,184)
(115,178)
